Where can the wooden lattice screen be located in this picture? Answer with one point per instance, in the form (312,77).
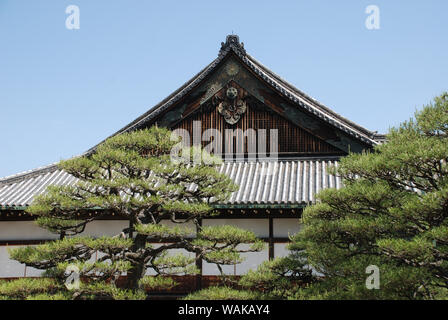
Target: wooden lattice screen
(292,140)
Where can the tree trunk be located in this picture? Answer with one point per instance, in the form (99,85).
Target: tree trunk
(134,275)
(138,270)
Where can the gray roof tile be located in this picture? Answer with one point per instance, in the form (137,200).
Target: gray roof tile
(261,182)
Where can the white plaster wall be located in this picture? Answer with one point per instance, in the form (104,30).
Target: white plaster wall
(28,230)
(23,230)
(259,226)
(251,262)
(8,267)
(12,268)
(100,228)
(209,269)
(284,228)
(280,250)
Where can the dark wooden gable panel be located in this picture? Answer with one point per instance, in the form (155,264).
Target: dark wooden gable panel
(326,139)
(292,140)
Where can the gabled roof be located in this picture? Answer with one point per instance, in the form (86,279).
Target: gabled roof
(21,188)
(287,90)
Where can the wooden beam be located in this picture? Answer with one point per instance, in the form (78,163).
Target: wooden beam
(271,239)
(199,262)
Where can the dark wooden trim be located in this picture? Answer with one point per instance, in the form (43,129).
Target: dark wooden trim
(42,241)
(199,262)
(238,212)
(20,215)
(4,243)
(271,239)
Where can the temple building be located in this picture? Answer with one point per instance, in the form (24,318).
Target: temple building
(277,143)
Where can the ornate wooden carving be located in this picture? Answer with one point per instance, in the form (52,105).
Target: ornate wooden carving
(230,103)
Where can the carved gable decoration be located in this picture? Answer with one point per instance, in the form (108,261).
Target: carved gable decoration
(235,89)
(230,102)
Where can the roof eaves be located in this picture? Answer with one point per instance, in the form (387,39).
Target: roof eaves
(307,97)
(28,174)
(13,208)
(310,104)
(167,102)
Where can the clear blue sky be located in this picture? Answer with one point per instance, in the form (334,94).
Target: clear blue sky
(62,91)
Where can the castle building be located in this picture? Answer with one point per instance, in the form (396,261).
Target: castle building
(277,143)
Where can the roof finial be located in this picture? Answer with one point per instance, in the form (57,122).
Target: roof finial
(232,42)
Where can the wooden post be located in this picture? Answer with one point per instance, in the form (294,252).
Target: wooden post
(271,239)
(198,262)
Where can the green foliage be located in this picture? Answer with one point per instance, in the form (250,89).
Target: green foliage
(221,244)
(161,231)
(279,278)
(97,270)
(225,256)
(46,296)
(226,234)
(175,264)
(51,289)
(56,224)
(22,288)
(80,249)
(134,176)
(157,283)
(392,213)
(224,293)
(49,254)
(106,291)
(187,208)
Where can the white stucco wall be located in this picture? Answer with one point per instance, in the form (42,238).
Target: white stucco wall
(11,268)
(259,226)
(23,230)
(252,260)
(283,228)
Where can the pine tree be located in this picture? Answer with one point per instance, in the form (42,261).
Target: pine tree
(136,177)
(384,235)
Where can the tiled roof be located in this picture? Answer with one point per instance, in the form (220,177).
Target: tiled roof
(291,182)
(264,182)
